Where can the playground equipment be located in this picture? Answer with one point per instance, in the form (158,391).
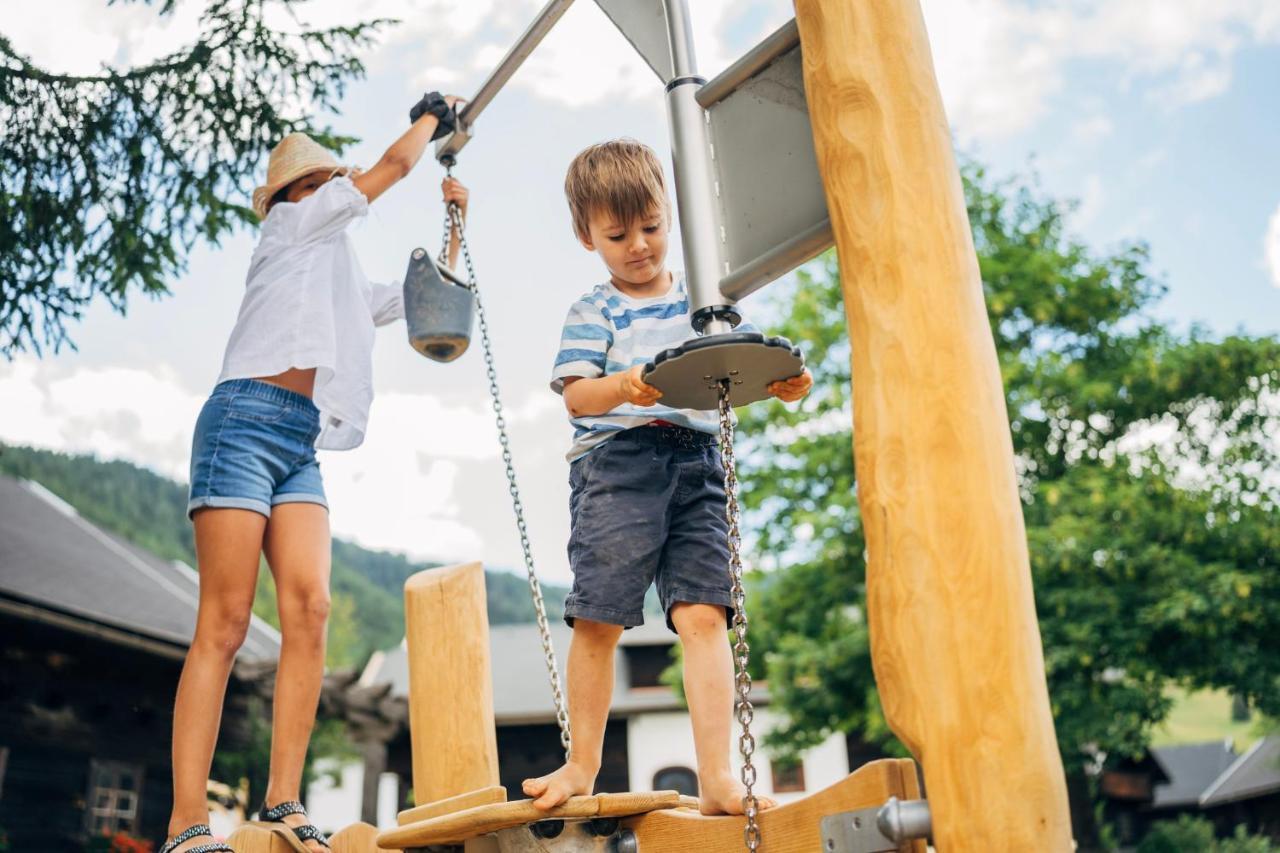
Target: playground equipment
(832,129)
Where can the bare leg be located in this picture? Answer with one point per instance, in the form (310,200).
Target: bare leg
(228,545)
(708,686)
(590,676)
(298,552)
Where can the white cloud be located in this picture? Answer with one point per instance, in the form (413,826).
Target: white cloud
(113,412)
(1093,129)
(1271,247)
(999,62)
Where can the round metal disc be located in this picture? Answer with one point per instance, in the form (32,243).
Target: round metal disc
(689,375)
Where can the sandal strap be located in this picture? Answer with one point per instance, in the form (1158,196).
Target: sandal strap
(308,832)
(186,835)
(279,812)
(215,847)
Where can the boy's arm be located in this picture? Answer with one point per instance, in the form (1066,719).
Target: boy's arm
(585,397)
(399,160)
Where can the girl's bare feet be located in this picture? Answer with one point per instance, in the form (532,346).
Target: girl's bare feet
(553,789)
(722,794)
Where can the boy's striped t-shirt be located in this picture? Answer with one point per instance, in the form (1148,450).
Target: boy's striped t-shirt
(608,332)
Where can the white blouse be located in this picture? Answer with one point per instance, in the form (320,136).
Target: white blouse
(308,304)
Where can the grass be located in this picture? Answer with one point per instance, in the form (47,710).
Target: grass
(1203,716)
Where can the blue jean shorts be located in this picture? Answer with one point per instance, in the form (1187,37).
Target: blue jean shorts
(647,505)
(254,447)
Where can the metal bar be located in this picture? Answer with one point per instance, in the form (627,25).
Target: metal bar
(758,272)
(694,175)
(510,63)
(751,63)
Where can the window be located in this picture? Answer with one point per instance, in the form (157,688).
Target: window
(788,779)
(680,779)
(645,665)
(114,788)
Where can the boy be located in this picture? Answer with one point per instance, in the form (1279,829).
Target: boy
(648,497)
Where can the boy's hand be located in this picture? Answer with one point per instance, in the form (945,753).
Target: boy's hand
(790,390)
(455,192)
(635,390)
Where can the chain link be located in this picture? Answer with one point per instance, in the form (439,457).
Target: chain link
(743,709)
(453,220)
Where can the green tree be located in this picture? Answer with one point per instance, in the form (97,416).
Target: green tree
(107,181)
(1143,456)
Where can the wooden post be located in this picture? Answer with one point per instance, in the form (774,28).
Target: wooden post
(455,746)
(955,642)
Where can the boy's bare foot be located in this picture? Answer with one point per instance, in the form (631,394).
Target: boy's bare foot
(553,789)
(722,794)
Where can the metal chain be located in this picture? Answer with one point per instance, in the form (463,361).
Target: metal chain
(743,709)
(453,219)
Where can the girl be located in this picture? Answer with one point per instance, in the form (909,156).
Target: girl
(296,376)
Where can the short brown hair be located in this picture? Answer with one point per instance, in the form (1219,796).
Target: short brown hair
(621,177)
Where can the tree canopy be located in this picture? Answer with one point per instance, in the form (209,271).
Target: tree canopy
(107,181)
(1145,458)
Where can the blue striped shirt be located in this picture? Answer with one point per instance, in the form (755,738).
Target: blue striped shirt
(608,332)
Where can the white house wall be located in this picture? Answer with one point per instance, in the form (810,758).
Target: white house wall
(657,741)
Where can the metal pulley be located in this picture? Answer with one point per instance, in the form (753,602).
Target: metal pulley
(439,308)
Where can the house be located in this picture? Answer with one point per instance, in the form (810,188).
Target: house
(1209,780)
(95,631)
(648,739)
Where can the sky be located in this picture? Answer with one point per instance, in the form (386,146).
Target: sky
(1160,117)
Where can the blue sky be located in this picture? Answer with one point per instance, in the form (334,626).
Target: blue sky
(1161,118)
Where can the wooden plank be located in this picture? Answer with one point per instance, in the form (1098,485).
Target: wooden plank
(954,638)
(794,827)
(249,838)
(457,827)
(471,799)
(356,838)
(454,746)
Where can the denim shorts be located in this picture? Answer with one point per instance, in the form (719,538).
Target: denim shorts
(254,447)
(646,505)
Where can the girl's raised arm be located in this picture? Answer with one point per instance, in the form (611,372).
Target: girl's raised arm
(401,157)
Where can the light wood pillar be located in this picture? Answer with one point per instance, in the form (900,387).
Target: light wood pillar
(455,746)
(954,638)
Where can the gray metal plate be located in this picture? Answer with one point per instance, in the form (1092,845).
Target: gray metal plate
(772,202)
(689,376)
(644,24)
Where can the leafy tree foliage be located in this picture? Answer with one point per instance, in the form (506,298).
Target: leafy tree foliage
(108,180)
(1144,457)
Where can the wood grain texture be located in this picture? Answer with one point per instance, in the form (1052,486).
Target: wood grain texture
(459,826)
(255,838)
(454,744)
(356,838)
(482,797)
(791,828)
(954,638)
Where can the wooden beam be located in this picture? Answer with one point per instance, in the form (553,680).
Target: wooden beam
(955,642)
(454,744)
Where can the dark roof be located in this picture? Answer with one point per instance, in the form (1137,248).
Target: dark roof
(1190,769)
(1254,774)
(521,692)
(54,560)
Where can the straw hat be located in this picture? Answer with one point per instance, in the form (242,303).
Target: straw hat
(296,155)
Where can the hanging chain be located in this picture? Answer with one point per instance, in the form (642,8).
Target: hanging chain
(743,709)
(453,220)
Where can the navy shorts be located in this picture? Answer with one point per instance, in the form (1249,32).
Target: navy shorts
(646,505)
(254,447)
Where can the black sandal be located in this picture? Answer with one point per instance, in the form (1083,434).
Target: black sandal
(301,834)
(194,832)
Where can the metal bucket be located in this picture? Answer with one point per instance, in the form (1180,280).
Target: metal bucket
(438,313)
